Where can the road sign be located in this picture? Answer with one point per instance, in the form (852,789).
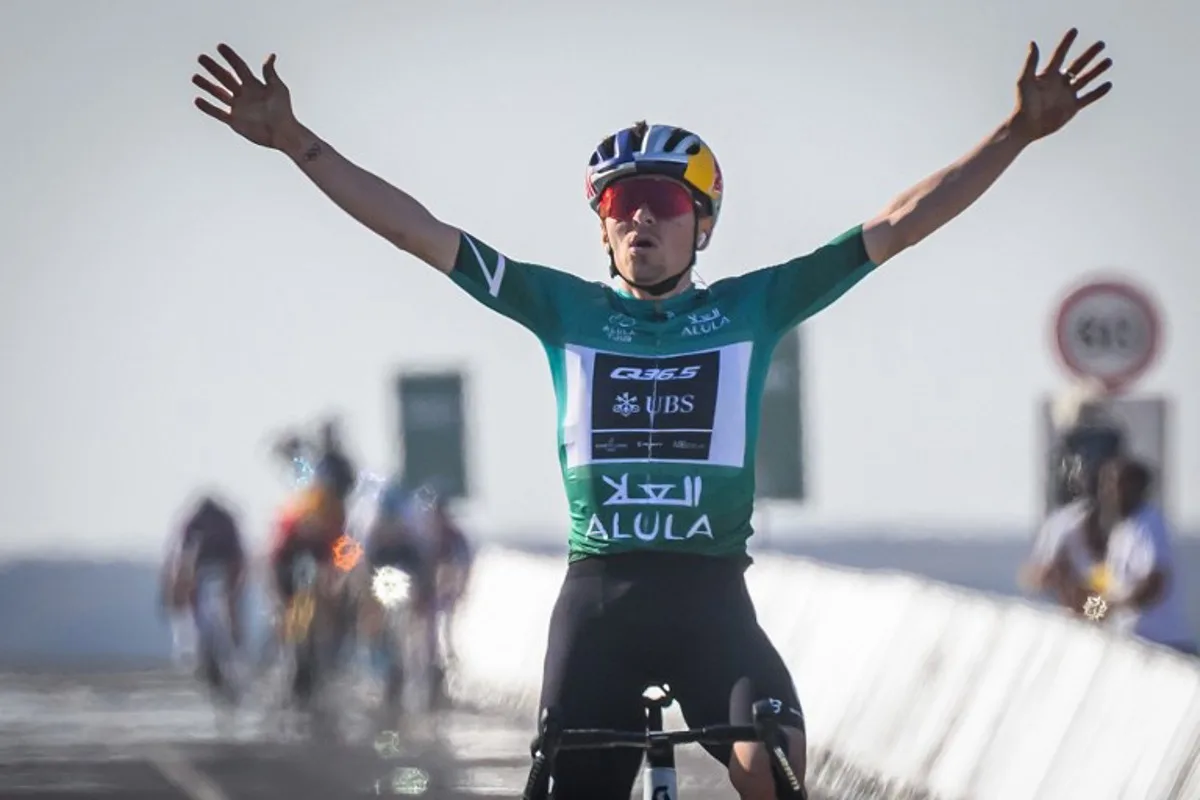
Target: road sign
(1108,330)
(433,432)
(779,472)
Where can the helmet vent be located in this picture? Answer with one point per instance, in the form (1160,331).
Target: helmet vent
(675,138)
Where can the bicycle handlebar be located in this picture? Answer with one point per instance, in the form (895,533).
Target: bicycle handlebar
(552,739)
(604,739)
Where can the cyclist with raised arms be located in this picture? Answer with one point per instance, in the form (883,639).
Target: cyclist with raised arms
(658,383)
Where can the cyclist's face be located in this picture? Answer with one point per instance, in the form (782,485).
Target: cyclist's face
(650,225)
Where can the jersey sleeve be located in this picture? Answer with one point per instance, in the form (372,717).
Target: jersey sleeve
(1151,549)
(525,293)
(796,290)
(1049,541)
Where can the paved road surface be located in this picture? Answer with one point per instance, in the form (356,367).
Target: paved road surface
(152,735)
(479,764)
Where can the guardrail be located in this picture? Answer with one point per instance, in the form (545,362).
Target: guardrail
(911,688)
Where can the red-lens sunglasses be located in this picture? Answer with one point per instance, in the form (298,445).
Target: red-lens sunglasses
(665,199)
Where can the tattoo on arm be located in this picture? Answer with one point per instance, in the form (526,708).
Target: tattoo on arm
(314,152)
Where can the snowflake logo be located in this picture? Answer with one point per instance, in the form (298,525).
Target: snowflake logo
(390,586)
(1094,608)
(626,405)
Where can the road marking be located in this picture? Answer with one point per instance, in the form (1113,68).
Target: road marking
(183,776)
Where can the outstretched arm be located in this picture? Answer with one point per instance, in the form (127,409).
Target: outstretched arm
(1045,102)
(390,212)
(942,196)
(261,111)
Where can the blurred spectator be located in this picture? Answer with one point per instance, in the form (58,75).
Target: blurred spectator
(1084,431)
(1146,596)
(1067,558)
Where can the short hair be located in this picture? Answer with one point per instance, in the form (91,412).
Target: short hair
(640,129)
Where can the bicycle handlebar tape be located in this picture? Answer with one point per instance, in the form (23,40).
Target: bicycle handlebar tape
(543,749)
(766,714)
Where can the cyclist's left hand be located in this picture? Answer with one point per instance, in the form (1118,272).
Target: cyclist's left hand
(1048,100)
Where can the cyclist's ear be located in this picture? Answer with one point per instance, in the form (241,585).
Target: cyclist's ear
(704,228)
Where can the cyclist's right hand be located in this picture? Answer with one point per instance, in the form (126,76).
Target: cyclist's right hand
(259,110)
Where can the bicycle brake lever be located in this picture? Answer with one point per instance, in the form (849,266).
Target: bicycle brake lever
(766,722)
(542,749)
(548,735)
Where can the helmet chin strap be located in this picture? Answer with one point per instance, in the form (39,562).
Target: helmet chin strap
(667,284)
(653,289)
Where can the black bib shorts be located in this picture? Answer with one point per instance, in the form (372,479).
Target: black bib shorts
(625,621)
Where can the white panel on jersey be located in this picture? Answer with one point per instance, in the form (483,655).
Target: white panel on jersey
(688,408)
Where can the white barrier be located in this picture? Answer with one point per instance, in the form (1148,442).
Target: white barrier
(919,686)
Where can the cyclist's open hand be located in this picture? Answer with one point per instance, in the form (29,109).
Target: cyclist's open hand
(260,110)
(1048,100)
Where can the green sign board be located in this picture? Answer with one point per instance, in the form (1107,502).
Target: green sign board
(433,431)
(780,462)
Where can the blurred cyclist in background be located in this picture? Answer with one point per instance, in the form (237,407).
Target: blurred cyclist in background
(210,537)
(396,539)
(453,557)
(314,518)
(414,533)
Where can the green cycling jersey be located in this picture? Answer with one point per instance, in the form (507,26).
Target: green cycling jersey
(658,400)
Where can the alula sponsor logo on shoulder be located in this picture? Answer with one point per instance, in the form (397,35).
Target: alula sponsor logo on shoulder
(620,328)
(705,322)
(647,510)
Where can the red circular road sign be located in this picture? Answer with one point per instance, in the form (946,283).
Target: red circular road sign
(1108,330)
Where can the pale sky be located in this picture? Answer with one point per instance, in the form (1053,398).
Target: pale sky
(171,294)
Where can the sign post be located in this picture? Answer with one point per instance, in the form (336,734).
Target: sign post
(433,432)
(779,466)
(1108,333)
(1108,330)
(779,469)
